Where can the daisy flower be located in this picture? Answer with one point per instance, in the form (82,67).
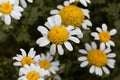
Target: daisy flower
(83,2)
(57,35)
(23,2)
(9,9)
(23,59)
(46,62)
(104,35)
(97,58)
(32,72)
(73,15)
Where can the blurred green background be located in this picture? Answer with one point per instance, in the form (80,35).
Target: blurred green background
(23,34)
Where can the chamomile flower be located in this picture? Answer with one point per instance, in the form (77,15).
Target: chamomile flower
(46,62)
(25,58)
(73,15)
(83,2)
(97,58)
(23,2)
(9,9)
(57,35)
(32,72)
(104,35)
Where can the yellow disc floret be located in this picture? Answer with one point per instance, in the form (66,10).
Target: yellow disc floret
(45,64)
(58,35)
(27,60)
(97,58)
(33,75)
(6,8)
(72,15)
(104,36)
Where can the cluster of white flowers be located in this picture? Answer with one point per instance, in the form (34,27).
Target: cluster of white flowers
(36,67)
(66,25)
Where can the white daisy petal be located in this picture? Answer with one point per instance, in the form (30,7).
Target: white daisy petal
(94,46)
(88,47)
(102,46)
(95,35)
(83,51)
(51,21)
(98,29)
(23,52)
(106,70)
(70,28)
(17,64)
(83,2)
(86,12)
(113,32)
(84,63)
(43,30)
(83,58)
(68,46)
(31,53)
(88,22)
(104,27)
(53,49)
(36,58)
(111,43)
(92,69)
(59,6)
(43,41)
(23,3)
(85,26)
(60,49)
(18,8)
(58,20)
(7,19)
(98,71)
(66,3)
(54,12)
(79,33)
(107,50)
(74,39)
(111,55)
(15,15)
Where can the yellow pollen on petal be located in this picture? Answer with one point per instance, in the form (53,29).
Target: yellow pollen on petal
(27,60)
(104,36)
(6,8)
(33,75)
(72,15)
(97,58)
(58,35)
(45,64)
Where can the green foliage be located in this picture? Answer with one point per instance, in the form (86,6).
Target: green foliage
(23,34)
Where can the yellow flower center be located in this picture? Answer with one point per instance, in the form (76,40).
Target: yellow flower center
(72,15)
(45,64)
(104,36)
(27,60)
(97,58)
(6,8)
(58,35)
(33,75)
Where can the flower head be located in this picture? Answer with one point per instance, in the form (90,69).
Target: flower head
(73,15)
(58,35)
(23,59)
(46,62)
(32,72)
(83,2)
(97,58)
(9,8)
(104,35)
